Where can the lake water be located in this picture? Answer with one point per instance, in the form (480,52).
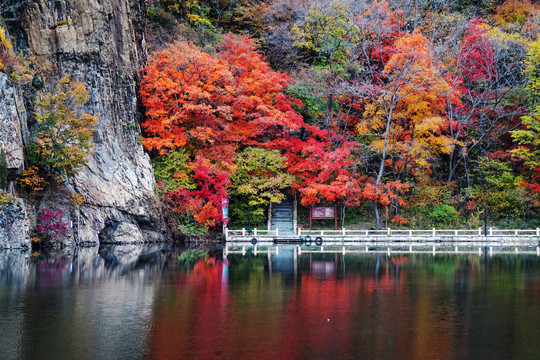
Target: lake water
(156,302)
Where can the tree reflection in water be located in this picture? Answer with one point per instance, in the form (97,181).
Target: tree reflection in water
(163,302)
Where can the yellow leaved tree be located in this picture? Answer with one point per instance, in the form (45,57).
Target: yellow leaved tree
(63,138)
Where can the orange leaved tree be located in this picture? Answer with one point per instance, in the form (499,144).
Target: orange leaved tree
(210,107)
(404,118)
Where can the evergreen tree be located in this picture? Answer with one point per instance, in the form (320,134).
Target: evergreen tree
(3,170)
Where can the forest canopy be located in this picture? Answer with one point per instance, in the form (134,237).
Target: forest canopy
(406,113)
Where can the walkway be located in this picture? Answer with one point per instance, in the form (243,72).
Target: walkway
(438,237)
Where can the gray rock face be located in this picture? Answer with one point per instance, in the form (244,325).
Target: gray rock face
(101,43)
(14,225)
(12,120)
(120,232)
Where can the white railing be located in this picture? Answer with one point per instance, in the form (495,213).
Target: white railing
(420,232)
(254,232)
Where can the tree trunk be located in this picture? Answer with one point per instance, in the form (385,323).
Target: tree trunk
(451,164)
(377,215)
(381,166)
(342,215)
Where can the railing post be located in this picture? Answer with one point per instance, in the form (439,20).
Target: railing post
(322,233)
(490,231)
(255,231)
(537,231)
(243,250)
(243,231)
(516,232)
(367,233)
(299,231)
(479,231)
(277,231)
(456,233)
(343,231)
(433,232)
(226,233)
(343,251)
(410,233)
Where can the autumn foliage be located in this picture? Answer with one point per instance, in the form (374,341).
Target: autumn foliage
(63,137)
(392,106)
(64,131)
(212,106)
(50,226)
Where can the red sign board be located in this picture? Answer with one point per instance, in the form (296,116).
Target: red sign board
(323,212)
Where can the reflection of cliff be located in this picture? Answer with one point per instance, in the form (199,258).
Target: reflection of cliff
(59,303)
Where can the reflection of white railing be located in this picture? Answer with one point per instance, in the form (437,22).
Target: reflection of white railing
(389,250)
(391,233)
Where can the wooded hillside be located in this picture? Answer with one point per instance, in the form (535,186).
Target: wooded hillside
(405,113)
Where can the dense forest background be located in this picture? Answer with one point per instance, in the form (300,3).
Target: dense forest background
(404,113)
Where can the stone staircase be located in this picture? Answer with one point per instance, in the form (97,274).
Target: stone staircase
(282,217)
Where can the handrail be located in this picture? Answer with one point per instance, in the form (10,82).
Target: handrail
(434,232)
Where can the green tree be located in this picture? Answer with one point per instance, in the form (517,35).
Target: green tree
(3,170)
(259,179)
(329,36)
(172,171)
(528,136)
(496,188)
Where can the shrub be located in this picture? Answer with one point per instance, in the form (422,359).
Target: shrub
(6,198)
(16,66)
(443,215)
(50,226)
(32,179)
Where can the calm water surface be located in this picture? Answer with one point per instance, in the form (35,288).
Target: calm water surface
(155,302)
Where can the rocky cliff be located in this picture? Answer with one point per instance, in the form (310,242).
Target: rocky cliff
(14,225)
(101,43)
(13,125)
